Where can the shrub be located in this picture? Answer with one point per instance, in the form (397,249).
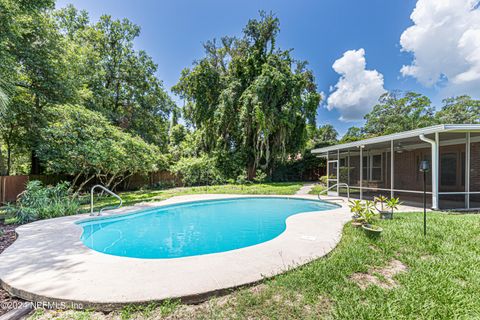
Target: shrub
(260,176)
(84,144)
(323,180)
(43,202)
(198,171)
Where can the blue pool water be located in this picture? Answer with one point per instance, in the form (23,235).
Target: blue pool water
(195,228)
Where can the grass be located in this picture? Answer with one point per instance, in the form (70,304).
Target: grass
(442,280)
(132,197)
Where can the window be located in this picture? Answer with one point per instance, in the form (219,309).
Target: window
(365,168)
(448,176)
(372,167)
(376,168)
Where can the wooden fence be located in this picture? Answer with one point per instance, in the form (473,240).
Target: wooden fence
(12,186)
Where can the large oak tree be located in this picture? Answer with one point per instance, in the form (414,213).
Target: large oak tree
(250,99)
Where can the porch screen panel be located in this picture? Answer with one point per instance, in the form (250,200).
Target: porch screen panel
(452,170)
(372,171)
(343,173)
(353,174)
(414,199)
(354,171)
(407,158)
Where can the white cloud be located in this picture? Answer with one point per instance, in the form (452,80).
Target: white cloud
(445,42)
(358,89)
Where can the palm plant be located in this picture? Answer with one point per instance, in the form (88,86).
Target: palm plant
(356,208)
(368,211)
(393,204)
(382,200)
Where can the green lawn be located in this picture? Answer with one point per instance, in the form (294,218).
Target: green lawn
(442,280)
(132,197)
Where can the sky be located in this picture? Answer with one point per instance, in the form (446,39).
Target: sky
(356,49)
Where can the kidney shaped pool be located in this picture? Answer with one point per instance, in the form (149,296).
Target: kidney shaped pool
(195,228)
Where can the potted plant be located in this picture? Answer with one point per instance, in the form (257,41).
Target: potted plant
(393,204)
(384,214)
(368,214)
(356,208)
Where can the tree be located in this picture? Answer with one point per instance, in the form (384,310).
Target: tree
(83,144)
(397,112)
(117,80)
(459,110)
(33,67)
(247,98)
(352,134)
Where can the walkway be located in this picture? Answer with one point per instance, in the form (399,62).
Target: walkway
(305,189)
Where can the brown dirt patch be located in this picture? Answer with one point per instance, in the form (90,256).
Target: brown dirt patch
(381,277)
(7,235)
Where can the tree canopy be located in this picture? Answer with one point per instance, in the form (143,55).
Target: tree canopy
(397,111)
(250,99)
(82,143)
(61,58)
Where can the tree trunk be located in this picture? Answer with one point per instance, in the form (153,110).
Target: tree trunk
(36,167)
(251,171)
(2,165)
(80,187)
(9,159)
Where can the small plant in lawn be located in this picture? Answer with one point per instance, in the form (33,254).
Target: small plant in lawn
(381,199)
(368,215)
(393,205)
(356,208)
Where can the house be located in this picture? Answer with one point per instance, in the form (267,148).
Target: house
(389,165)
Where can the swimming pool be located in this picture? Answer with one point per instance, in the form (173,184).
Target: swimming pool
(195,228)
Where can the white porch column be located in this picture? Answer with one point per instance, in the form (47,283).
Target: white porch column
(348,166)
(467,171)
(435,172)
(361,172)
(392,163)
(328,172)
(338,172)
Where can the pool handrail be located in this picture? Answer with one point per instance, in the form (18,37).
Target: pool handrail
(334,186)
(109,192)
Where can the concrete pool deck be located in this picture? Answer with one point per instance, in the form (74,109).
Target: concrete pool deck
(48,263)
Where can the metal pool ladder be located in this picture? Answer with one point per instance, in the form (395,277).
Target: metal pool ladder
(107,191)
(334,186)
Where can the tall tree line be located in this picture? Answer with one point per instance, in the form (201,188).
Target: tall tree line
(61,57)
(402,111)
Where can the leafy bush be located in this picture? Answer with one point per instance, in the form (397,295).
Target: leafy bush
(198,171)
(323,180)
(260,177)
(43,202)
(84,144)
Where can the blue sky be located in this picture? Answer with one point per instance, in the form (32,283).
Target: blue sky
(319,31)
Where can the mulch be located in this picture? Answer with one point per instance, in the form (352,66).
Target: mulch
(7,237)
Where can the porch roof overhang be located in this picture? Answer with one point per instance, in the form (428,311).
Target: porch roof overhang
(401,135)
